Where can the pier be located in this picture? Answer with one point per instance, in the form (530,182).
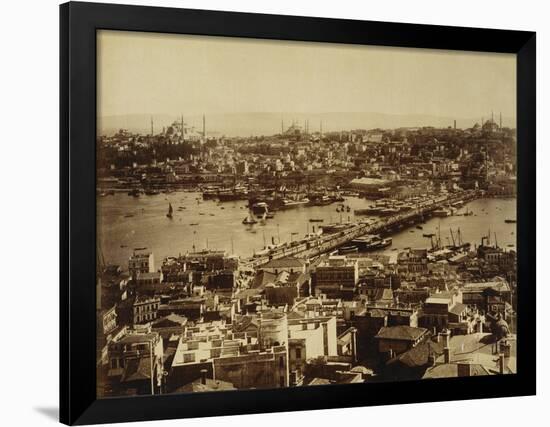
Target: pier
(315,246)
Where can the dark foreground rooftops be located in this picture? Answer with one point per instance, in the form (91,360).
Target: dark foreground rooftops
(403,333)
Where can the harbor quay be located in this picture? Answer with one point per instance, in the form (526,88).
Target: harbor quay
(319,244)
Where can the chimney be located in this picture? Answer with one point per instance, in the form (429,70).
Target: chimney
(293,380)
(431,358)
(354,344)
(464,369)
(501,363)
(444,337)
(505,348)
(447,354)
(203,376)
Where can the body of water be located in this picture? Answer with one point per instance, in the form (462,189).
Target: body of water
(126,222)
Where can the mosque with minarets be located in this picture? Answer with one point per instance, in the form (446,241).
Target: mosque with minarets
(489,126)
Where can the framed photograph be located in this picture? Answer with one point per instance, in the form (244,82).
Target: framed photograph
(268,213)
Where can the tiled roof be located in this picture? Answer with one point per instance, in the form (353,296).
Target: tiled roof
(418,356)
(458,308)
(447,370)
(137,369)
(285,263)
(401,332)
(137,338)
(263,278)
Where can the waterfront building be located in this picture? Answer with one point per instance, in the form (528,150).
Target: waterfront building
(211,260)
(373,187)
(148,279)
(413,261)
(336,277)
(141,261)
(289,264)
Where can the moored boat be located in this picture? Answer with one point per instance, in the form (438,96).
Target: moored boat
(348,249)
(249,220)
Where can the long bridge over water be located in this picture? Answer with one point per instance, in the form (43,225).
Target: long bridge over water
(315,246)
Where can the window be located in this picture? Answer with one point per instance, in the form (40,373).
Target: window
(298,353)
(281,362)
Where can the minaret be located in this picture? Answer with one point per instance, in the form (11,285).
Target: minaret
(152,132)
(282,126)
(492,116)
(500,121)
(321,128)
(204,127)
(182,129)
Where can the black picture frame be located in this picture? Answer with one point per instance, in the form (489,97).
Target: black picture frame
(78,25)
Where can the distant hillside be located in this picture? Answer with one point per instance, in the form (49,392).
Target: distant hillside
(246,124)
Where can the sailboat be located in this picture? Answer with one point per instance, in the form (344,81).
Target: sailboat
(170,211)
(249,220)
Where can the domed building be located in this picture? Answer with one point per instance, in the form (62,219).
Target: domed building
(490,126)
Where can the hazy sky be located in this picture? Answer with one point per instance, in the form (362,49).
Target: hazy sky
(145,73)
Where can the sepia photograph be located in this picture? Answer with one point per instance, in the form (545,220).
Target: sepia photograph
(276,214)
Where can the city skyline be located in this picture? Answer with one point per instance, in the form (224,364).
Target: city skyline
(257,124)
